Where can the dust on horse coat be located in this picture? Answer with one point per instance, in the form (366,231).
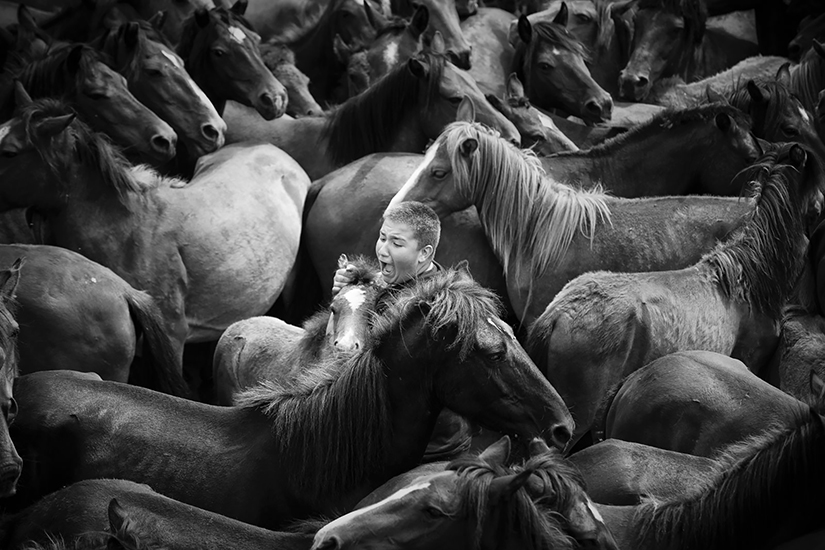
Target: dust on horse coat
(604,325)
(76,314)
(308,448)
(695,402)
(622,473)
(561,232)
(212,251)
(155,520)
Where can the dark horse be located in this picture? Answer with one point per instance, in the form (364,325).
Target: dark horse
(87,511)
(310,447)
(10,462)
(604,325)
(221,53)
(766,491)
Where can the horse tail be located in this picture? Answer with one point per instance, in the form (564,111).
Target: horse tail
(163,368)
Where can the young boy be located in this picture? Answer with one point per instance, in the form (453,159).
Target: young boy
(405,249)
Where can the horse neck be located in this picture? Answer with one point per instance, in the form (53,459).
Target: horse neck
(645,156)
(607,65)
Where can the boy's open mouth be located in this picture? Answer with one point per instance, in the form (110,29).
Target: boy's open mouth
(386,269)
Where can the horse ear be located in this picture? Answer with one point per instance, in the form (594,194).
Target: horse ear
(53,126)
(819,48)
(73,59)
(525,29)
(202,17)
(437,45)
(755,92)
(817,386)
(498,452)
(797,156)
(714,96)
(418,68)
(21,96)
(158,20)
(504,487)
(341,49)
(538,446)
(239,7)
(561,17)
(468,147)
(25,19)
(420,20)
(9,278)
(466,110)
(515,88)
(783,75)
(723,121)
(130,34)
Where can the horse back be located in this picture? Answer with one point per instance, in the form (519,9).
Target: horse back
(154,519)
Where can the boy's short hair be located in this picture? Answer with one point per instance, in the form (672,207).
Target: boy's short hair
(423,220)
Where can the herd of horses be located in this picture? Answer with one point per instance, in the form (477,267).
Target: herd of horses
(624,349)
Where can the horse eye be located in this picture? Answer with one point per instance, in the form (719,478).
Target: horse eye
(545,66)
(439,174)
(496,357)
(455,100)
(434,512)
(96,95)
(217,52)
(790,131)
(9,154)
(583,17)
(10,411)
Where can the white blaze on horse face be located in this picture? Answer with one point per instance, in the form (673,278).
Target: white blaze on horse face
(195,88)
(391,54)
(804,113)
(355,298)
(401,196)
(5,128)
(349,518)
(499,325)
(237,34)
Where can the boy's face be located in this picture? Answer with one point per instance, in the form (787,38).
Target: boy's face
(398,252)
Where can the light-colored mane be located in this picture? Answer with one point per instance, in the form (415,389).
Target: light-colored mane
(529,218)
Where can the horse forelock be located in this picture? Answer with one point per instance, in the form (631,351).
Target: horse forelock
(449,300)
(767,120)
(8,339)
(604,20)
(514,187)
(544,31)
(665,119)
(753,493)
(366,123)
(539,524)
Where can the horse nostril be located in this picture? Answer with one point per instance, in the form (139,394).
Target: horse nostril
(210,132)
(641,82)
(561,435)
(267,100)
(356,346)
(163,144)
(593,107)
(330,543)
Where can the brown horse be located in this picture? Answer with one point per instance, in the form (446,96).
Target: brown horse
(403,112)
(89,511)
(551,63)
(100,97)
(311,447)
(603,326)
(694,402)
(562,231)
(280,59)
(211,252)
(266,348)
(622,473)
(81,316)
(659,157)
(220,52)
(10,462)
(486,31)
(476,502)
(443,18)
(157,78)
(767,491)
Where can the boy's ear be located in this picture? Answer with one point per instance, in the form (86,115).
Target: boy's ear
(427,251)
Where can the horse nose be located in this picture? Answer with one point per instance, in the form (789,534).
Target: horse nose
(271,106)
(461,59)
(561,435)
(328,543)
(213,134)
(599,108)
(164,145)
(347,342)
(634,86)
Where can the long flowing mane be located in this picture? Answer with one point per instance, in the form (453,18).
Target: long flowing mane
(50,76)
(535,522)
(367,122)
(779,482)
(808,78)
(82,146)
(509,184)
(335,422)
(761,262)
(653,128)
(544,32)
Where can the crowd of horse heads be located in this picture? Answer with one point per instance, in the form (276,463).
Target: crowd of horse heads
(623,350)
